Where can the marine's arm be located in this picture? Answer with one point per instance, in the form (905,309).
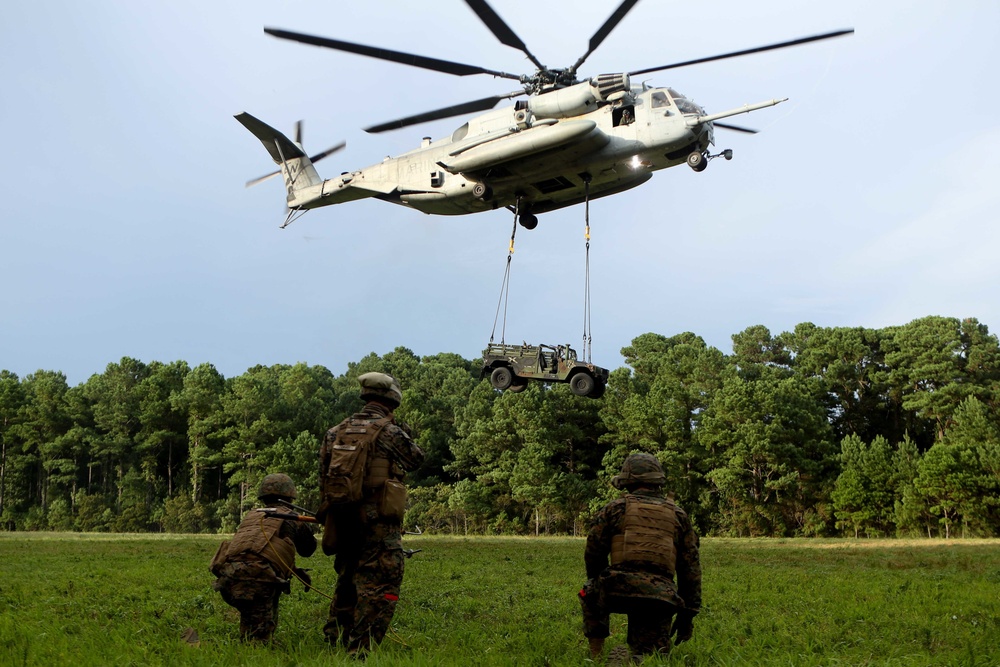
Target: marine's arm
(324,465)
(396,440)
(303,537)
(688,563)
(598,549)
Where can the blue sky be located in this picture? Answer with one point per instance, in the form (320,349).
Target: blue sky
(870,198)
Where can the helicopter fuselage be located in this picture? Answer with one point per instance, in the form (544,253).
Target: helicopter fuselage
(520,156)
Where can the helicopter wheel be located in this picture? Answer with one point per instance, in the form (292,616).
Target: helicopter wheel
(697,161)
(528,221)
(482,191)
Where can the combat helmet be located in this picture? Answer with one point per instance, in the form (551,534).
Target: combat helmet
(380,385)
(277,484)
(640,470)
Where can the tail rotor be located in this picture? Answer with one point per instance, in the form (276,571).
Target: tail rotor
(298,142)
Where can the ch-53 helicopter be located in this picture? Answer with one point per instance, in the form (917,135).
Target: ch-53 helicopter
(571,140)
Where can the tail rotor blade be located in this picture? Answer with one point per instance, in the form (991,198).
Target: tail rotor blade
(260,179)
(329,151)
(312,158)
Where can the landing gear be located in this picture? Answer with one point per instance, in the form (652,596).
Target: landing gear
(697,161)
(527,220)
(482,191)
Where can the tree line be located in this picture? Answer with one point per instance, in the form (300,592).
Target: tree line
(818,431)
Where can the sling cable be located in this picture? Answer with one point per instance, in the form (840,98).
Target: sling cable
(505,284)
(586,281)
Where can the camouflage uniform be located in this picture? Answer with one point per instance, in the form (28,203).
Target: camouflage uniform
(256,569)
(367,545)
(642,587)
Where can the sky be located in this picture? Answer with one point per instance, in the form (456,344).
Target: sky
(870,198)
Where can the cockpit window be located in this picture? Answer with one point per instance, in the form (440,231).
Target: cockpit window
(686,106)
(659,99)
(460,133)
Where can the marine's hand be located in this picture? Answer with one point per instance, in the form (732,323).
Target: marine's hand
(324,507)
(304,577)
(683,627)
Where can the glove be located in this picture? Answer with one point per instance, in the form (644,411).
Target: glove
(683,627)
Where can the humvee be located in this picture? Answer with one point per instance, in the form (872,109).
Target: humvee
(510,367)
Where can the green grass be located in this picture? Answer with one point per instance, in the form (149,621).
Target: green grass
(70,599)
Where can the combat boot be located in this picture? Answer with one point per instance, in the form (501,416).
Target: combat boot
(619,657)
(596,647)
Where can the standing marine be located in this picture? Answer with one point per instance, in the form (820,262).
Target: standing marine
(256,566)
(642,560)
(362,467)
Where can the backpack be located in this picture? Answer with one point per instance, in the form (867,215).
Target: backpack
(349,455)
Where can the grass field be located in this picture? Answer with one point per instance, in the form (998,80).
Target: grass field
(72,599)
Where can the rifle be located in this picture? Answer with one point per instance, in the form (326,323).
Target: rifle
(301,510)
(280,514)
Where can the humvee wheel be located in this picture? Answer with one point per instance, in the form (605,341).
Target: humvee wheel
(517,387)
(501,378)
(581,384)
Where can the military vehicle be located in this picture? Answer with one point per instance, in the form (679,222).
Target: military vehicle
(510,367)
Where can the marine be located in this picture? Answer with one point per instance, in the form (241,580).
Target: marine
(257,565)
(362,523)
(641,560)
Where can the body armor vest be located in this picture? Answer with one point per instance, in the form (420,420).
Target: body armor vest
(262,540)
(355,462)
(647,536)
(379,469)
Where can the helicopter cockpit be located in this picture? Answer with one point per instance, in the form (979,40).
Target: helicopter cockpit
(685,105)
(659,100)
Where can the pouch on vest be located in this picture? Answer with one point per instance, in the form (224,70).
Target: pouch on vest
(329,542)
(349,454)
(219,559)
(392,500)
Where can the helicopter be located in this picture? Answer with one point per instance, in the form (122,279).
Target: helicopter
(571,140)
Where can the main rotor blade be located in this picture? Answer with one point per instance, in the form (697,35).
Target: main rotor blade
(446,112)
(770,47)
(500,29)
(734,128)
(605,30)
(435,64)
(314,159)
